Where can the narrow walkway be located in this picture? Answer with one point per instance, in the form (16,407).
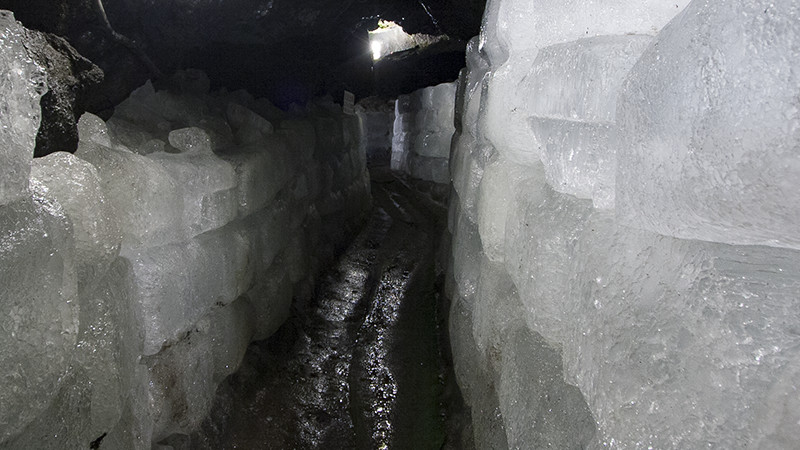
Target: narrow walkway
(360,366)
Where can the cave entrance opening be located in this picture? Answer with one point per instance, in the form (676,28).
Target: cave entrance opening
(390,38)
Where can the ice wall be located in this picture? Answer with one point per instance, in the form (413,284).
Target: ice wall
(134,273)
(22,84)
(377,118)
(624,267)
(423,130)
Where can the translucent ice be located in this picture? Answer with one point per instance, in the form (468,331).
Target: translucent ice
(22,83)
(248,126)
(97,392)
(709,321)
(300,136)
(587,324)
(497,190)
(182,379)
(134,279)
(205,181)
(378,128)
(434,107)
(271,232)
(639,317)
(75,184)
(433,144)
(423,131)
(514,26)
(271,296)
(542,229)
(92,129)
(467,167)
(109,347)
(180,383)
(144,197)
(429,168)
(329,132)
(176,284)
(710,127)
(547,412)
(38,308)
(159,112)
(472,369)
(190,140)
(466,255)
(515,31)
(579,157)
(470,88)
(232,329)
(580,80)
(261,171)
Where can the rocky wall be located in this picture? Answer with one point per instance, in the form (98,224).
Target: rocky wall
(624,265)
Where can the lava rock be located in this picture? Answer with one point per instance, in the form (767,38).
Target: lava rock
(70,77)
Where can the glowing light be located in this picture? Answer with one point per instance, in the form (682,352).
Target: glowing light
(390,37)
(376,49)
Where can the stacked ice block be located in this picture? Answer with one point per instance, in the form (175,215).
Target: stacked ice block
(423,130)
(135,272)
(23,84)
(377,118)
(624,267)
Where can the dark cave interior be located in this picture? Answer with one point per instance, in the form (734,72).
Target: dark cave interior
(286,51)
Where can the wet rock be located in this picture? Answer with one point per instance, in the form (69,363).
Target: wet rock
(70,77)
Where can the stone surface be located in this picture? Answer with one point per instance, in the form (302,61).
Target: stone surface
(70,79)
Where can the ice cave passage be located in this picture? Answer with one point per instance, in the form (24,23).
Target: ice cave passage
(483,224)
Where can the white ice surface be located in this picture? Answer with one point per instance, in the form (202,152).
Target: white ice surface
(710,127)
(38,308)
(22,83)
(75,184)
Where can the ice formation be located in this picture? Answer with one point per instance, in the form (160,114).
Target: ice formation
(75,185)
(624,264)
(709,145)
(423,130)
(377,118)
(39,308)
(136,272)
(22,84)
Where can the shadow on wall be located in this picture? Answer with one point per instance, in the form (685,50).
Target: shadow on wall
(407,71)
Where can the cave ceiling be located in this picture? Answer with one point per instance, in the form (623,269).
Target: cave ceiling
(282,49)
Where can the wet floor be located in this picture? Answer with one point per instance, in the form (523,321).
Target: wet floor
(360,366)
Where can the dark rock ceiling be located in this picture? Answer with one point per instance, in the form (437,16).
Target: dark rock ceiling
(286,50)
